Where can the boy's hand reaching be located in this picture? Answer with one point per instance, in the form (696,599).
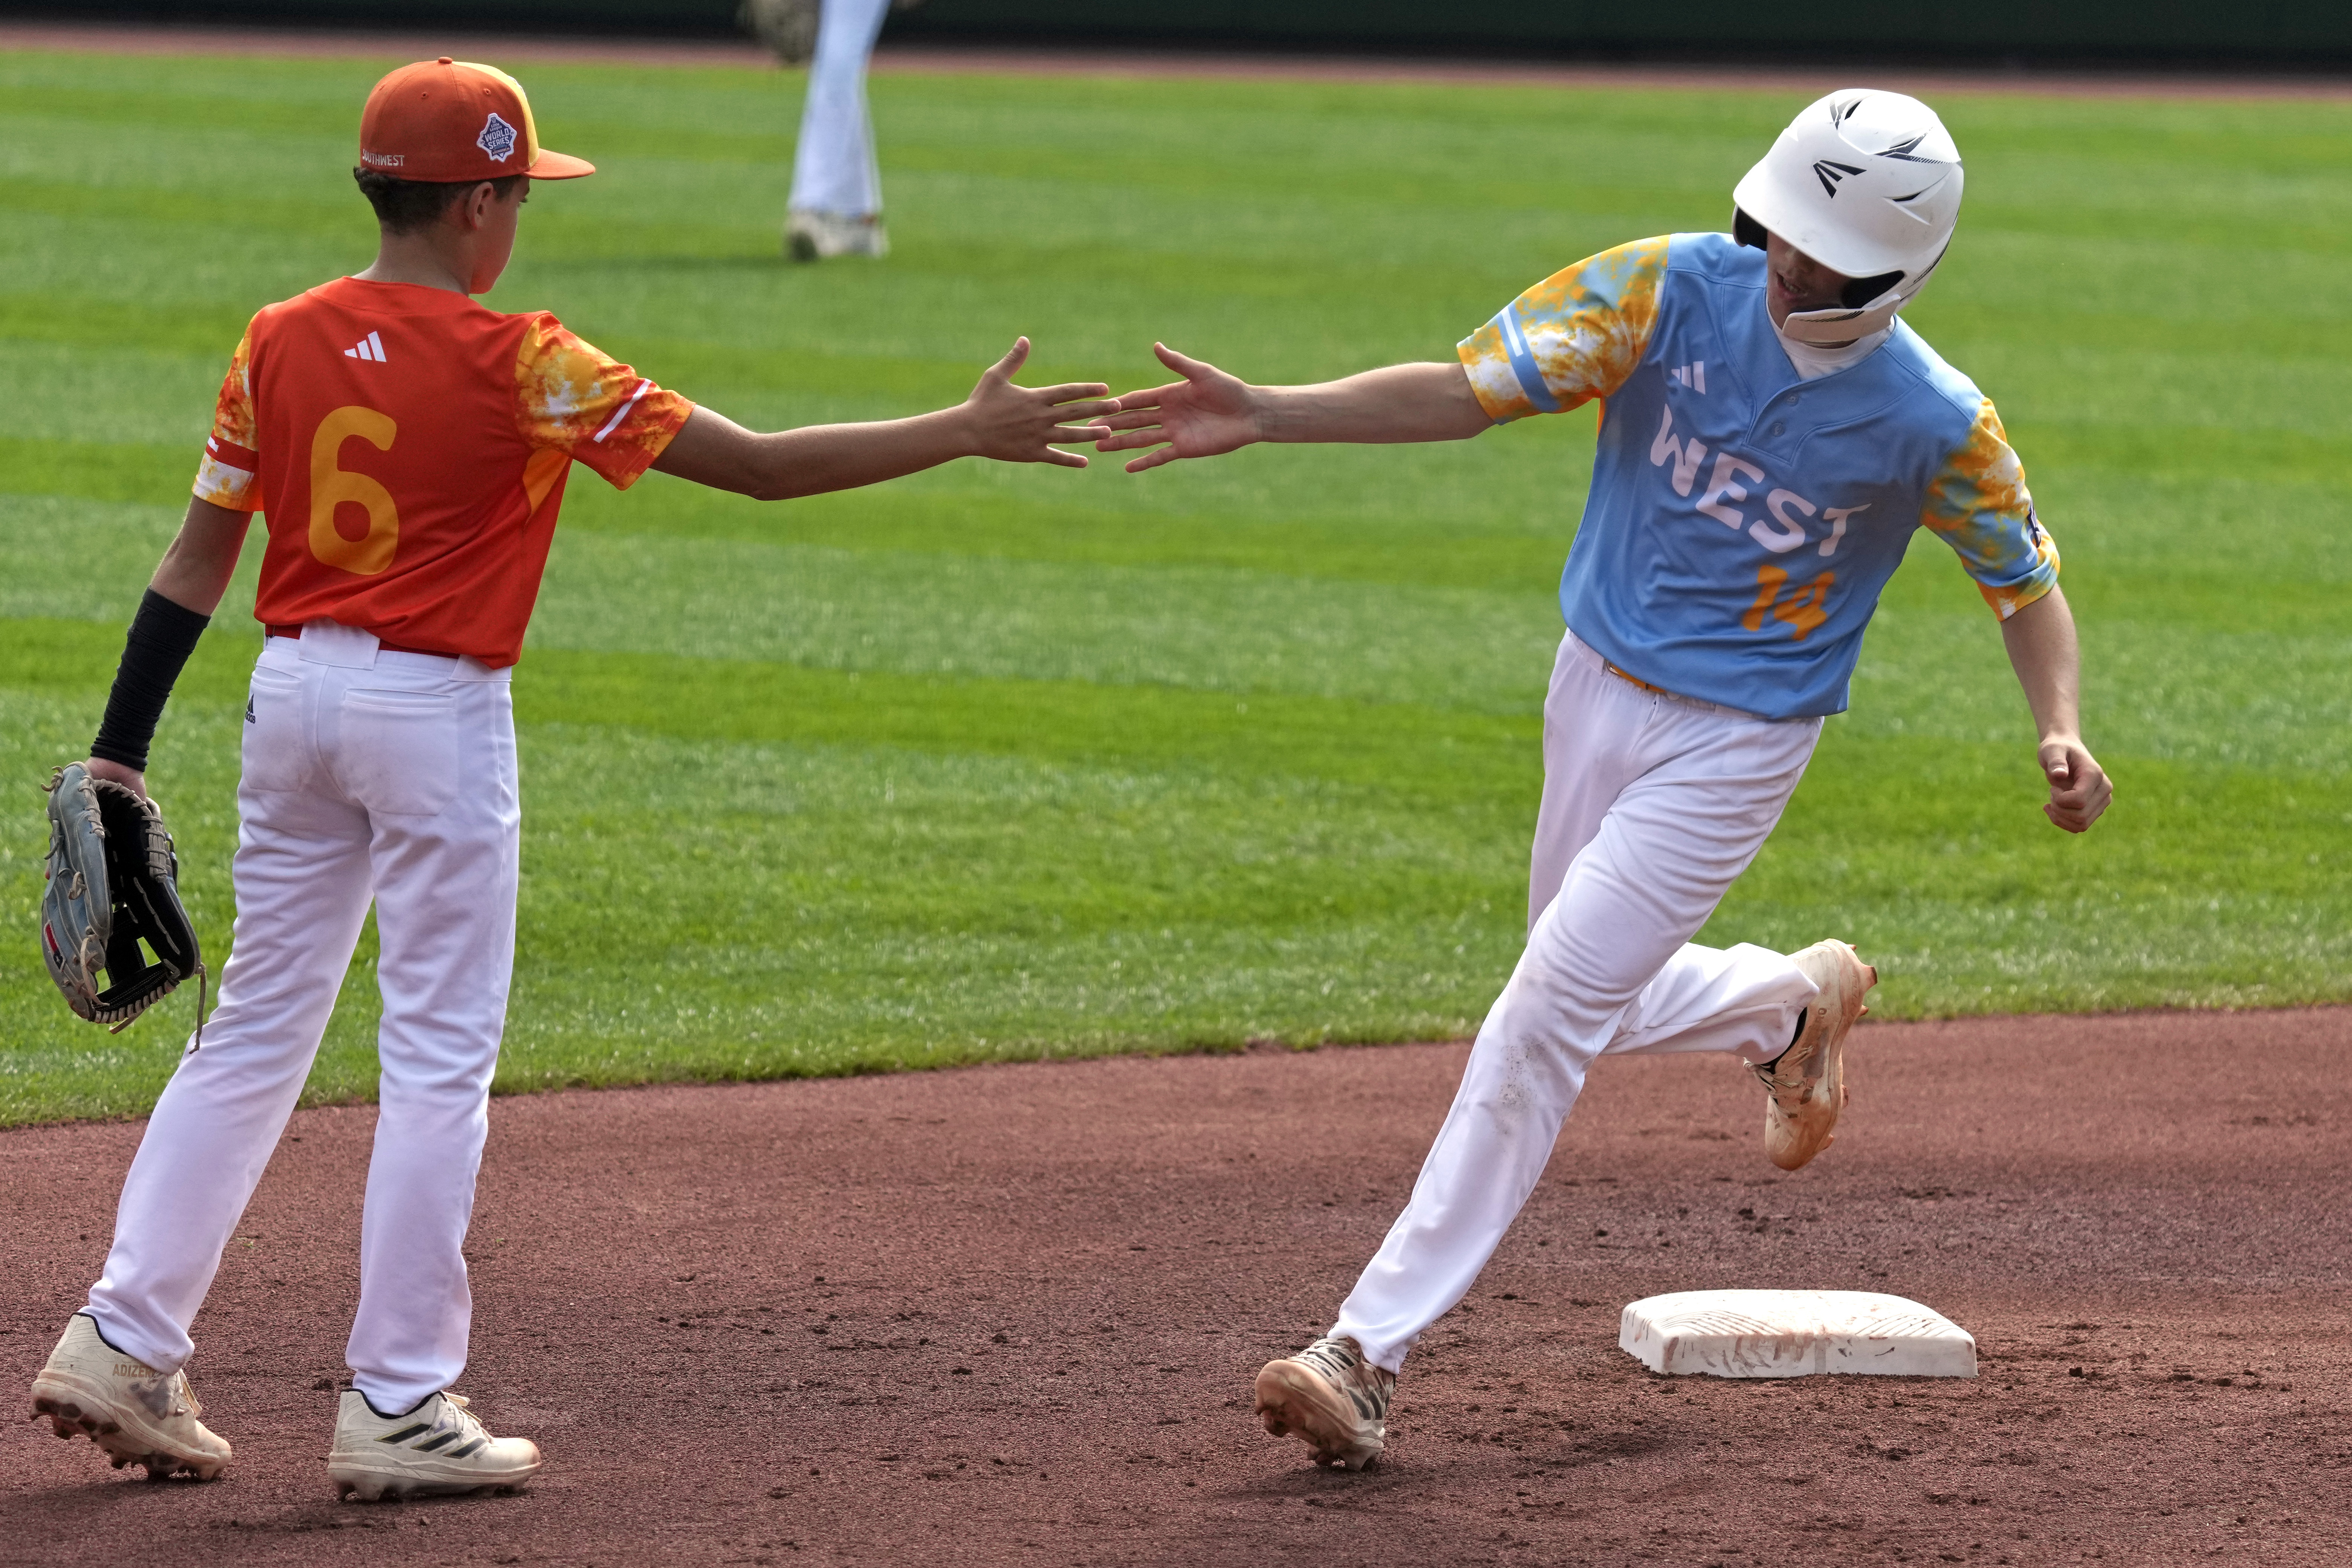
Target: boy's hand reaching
(1018,424)
(1206,414)
(1009,424)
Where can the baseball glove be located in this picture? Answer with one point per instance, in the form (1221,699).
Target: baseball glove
(110,883)
(789,26)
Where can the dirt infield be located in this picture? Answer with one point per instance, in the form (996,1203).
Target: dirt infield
(1139,62)
(1010,1315)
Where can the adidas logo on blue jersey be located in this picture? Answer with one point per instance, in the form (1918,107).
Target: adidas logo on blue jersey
(1693,375)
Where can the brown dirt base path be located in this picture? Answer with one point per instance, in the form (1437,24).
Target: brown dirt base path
(1010,1315)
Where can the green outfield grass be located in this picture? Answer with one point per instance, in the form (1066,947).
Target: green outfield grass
(997,763)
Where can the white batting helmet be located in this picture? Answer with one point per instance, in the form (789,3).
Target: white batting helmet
(1867,183)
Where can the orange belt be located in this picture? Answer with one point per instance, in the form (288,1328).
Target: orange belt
(1637,681)
(1639,684)
(296,633)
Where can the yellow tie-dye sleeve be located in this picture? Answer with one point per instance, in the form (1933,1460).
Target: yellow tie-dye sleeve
(573,398)
(1575,336)
(1980,506)
(229,473)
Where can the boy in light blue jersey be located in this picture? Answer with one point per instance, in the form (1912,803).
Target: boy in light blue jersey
(1816,482)
(1771,434)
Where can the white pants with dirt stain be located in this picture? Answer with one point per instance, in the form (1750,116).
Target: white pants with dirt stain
(1652,808)
(834,169)
(369,776)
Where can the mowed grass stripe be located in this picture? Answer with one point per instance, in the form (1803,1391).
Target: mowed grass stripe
(1432,756)
(2230,487)
(153,474)
(906,521)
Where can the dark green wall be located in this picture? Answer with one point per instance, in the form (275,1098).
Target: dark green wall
(2278,33)
(2180,29)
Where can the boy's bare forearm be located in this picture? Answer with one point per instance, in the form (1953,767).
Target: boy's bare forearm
(1212,412)
(2044,651)
(818,459)
(1009,423)
(1427,402)
(777,466)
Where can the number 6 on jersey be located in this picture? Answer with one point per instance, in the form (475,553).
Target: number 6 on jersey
(333,486)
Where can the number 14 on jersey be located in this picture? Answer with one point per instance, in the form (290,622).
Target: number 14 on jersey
(1802,607)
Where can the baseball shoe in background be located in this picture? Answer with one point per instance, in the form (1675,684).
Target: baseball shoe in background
(1804,1087)
(813,235)
(138,1416)
(439,1446)
(1331,1397)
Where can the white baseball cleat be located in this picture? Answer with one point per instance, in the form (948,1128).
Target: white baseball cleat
(1805,1085)
(137,1415)
(438,1447)
(1331,1397)
(814,235)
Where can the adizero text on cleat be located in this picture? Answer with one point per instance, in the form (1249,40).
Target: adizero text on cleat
(1332,1397)
(136,1415)
(439,1446)
(1805,1089)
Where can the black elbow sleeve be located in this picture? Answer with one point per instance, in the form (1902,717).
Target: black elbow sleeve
(163,635)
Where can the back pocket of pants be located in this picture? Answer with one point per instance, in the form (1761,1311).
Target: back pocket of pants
(276,755)
(398,751)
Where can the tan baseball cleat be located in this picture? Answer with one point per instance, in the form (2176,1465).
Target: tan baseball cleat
(1331,1397)
(1805,1087)
(439,1446)
(135,1414)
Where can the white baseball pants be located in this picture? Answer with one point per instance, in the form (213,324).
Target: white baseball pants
(834,169)
(1652,808)
(368,775)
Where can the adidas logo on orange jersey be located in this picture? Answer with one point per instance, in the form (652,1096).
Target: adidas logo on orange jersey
(370,347)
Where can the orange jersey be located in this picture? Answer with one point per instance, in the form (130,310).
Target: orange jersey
(410,449)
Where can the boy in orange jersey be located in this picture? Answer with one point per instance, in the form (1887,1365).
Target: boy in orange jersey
(410,447)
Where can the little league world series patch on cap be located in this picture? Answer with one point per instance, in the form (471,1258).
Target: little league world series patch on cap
(444,121)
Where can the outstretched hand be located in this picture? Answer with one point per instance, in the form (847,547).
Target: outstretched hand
(1018,424)
(2079,788)
(1206,414)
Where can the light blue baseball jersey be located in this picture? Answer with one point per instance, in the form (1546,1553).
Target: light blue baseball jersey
(1741,523)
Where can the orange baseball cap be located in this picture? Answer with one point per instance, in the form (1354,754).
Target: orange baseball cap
(445,122)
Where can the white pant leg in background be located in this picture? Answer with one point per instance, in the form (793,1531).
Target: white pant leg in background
(384,777)
(834,169)
(1653,807)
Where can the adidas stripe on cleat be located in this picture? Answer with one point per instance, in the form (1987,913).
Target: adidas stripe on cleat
(439,1446)
(1331,1396)
(136,1415)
